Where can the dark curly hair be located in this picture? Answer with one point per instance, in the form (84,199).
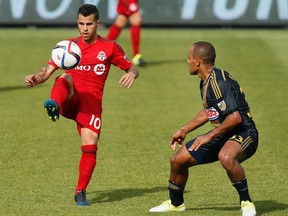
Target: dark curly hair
(205,51)
(87,10)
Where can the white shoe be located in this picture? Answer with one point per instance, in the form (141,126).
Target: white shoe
(248,208)
(167,207)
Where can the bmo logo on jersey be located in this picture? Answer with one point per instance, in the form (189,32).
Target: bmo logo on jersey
(212,113)
(99,69)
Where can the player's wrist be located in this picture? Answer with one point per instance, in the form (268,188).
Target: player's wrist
(212,134)
(183,131)
(134,71)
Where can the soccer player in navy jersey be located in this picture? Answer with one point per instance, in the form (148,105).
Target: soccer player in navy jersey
(128,10)
(233,140)
(77,93)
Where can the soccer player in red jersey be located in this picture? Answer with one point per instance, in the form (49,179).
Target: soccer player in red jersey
(77,93)
(128,10)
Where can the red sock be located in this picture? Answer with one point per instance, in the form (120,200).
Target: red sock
(135,38)
(86,166)
(60,91)
(114,32)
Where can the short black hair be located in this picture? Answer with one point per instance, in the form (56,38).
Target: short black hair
(87,10)
(205,51)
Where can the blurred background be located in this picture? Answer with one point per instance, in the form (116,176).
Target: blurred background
(156,13)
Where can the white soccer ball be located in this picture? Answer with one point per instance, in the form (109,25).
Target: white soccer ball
(66,54)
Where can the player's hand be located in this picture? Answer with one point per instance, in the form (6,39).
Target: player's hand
(127,80)
(177,139)
(30,81)
(199,141)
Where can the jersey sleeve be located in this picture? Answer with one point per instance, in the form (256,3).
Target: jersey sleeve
(119,58)
(227,102)
(51,62)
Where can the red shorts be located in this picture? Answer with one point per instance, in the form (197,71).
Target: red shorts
(127,7)
(85,110)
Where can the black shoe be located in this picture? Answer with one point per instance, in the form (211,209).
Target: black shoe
(80,198)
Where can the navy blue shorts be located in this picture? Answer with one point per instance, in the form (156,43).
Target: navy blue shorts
(208,153)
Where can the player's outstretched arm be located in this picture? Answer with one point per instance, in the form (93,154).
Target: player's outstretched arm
(128,79)
(40,77)
(179,136)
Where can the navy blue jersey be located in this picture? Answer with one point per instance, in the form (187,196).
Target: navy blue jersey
(222,95)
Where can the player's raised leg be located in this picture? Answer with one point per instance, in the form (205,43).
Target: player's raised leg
(61,91)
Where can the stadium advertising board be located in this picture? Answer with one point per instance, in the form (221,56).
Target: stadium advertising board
(155,12)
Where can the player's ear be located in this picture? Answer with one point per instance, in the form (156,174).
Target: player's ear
(98,23)
(198,61)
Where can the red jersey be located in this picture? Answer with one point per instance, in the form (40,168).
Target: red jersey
(91,73)
(89,77)
(127,7)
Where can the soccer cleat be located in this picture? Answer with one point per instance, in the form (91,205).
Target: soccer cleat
(248,208)
(52,109)
(168,207)
(138,60)
(80,198)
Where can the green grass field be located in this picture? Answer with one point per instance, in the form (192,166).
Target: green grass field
(39,159)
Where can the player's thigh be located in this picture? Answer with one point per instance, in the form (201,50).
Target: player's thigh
(135,19)
(182,158)
(89,111)
(121,21)
(231,151)
(88,136)
(208,152)
(69,79)
(70,107)
(248,142)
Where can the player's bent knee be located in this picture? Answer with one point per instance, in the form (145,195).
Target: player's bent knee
(227,161)
(175,162)
(135,19)
(182,159)
(121,21)
(67,77)
(88,136)
(136,22)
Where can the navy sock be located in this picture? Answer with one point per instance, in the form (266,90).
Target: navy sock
(176,194)
(242,189)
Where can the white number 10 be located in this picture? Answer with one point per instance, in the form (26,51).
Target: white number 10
(96,122)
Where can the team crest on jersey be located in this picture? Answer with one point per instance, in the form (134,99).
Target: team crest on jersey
(222,105)
(101,56)
(133,7)
(212,113)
